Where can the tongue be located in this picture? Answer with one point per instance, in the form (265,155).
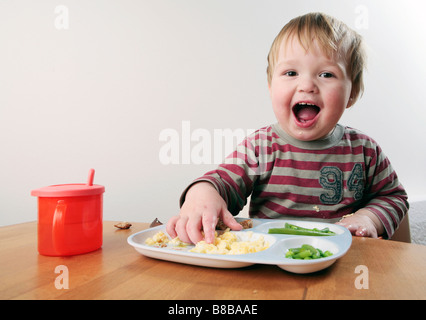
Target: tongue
(307,113)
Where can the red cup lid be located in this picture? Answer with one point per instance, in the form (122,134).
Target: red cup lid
(68,190)
(71,190)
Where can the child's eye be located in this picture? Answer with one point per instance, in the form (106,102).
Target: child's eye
(290,73)
(326,75)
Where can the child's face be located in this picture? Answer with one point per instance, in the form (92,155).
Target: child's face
(309,91)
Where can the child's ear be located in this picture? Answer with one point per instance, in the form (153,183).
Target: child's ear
(351,100)
(350,103)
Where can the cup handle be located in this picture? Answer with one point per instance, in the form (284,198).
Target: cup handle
(58,226)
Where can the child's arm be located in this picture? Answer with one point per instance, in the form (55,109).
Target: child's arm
(202,208)
(386,201)
(221,193)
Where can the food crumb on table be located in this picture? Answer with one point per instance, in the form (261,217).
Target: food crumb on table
(123,225)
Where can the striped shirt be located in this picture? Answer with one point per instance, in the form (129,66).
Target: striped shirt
(324,179)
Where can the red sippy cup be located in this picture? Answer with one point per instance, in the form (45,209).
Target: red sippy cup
(69,218)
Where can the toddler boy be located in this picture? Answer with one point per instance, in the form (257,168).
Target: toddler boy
(305,166)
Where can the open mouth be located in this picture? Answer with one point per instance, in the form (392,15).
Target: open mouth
(305,112)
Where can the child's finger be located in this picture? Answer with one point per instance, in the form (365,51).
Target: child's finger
(171,225)
(209,226)
(181,229)
(230,221)
(193,229)
(361,232)
(366,232)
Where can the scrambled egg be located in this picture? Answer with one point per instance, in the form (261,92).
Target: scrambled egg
(161,240)
(228,243)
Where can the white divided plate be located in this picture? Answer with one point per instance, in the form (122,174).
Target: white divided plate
(338,244)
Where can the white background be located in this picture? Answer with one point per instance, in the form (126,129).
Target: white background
(98,89)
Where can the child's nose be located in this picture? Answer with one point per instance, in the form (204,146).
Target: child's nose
(307,84)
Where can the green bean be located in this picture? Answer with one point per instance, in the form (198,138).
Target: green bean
(328,253)
(303,254)
(306,252)
(310,248)
(296,230)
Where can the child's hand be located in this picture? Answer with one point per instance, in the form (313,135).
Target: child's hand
(201,210)
(363,223)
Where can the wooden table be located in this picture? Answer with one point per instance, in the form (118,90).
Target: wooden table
(396,270)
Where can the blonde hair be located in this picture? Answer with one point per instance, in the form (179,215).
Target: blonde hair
(333,37)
